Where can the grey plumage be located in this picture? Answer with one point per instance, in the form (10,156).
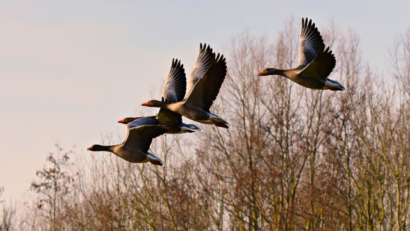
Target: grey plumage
(315,63)
(204,84)
(137,141)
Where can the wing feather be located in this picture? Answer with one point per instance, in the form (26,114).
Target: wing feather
(140,138)
(140,121)
(173,91)
(311,42)
(166,116)
(204,61)
(175,84)
(207,88)
(213,81)
(321,66)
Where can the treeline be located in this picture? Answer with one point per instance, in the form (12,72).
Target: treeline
(292,159)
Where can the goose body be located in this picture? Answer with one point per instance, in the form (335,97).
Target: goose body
(204,84)
(315,62)
(171,128)
(138,138)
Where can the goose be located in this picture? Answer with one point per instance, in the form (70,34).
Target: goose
(176,128)
(173,91)
(137,141)
(315,62)
(203,87)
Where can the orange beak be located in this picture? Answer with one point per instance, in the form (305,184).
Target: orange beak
(260,73)
(90,148)
(121,121)
(145,104)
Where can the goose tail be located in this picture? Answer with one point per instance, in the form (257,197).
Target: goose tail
(333,85)
(154,160)
(219,122)
(189,128)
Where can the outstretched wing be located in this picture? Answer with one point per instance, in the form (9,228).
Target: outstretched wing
(166,116)
(311,43)
(204,61)
(175,84)
(322,65)
(173,91)
(139,121)
(140,138)
(206,90)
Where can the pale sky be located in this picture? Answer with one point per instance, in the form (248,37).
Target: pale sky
(70,69)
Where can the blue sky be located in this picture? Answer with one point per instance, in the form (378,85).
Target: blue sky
(70,69)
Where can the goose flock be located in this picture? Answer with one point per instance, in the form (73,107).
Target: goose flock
(194,102)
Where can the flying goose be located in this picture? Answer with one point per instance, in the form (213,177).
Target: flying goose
(203,87)
(175,128)
(137,141)
(171,93)
(315,62)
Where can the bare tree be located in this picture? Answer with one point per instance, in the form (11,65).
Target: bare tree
(293,158)
(53,186)
(400,60)
(7,214)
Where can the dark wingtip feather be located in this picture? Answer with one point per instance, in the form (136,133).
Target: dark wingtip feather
(327,50)
(220,57)
(204,48)
(304,22)
(209,49)
(176,80)
(176,63)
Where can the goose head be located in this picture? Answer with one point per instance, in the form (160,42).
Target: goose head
(270,71)
(154,103)
(97,148)
(127,120)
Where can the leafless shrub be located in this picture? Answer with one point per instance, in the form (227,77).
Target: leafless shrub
(7,214)
(52,187)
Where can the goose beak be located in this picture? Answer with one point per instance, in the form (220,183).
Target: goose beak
(260,73)
(90,148)
(145,104)
(121,121)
